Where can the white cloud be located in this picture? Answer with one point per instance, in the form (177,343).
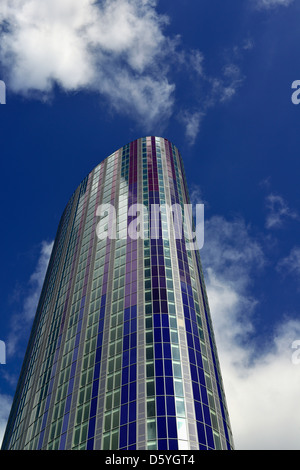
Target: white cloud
(22,321)
(115,47)
(261,382)
(278,211)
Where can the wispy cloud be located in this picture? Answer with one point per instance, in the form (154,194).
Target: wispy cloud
(263,408)
(272,3)
(191,121)
(215,90)
(278,211)
(5,405)
(21,321)
(291,263)
(20,325)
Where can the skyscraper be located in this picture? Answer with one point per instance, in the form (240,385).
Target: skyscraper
(122,352)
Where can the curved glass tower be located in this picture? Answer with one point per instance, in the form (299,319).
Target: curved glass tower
(122,352)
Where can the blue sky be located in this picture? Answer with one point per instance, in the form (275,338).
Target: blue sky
(83,79)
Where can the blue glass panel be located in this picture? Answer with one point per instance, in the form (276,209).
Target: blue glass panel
(124,394)
(172,429)
(204,395)
(184,299)
(210,439)
(192,356)
(186,311)
(163,294)
(206,414)
(158,350)
(63,441)
(170,406)
(166,335)
(95,388)
(133,311)
(99,342)
(132,391)
(125,342)
(201,375)
(173,444)
(132,411)
(123,436)
(125,358)
(97,370)
(155,294)
(159,367)
(161,428)
(133,325)
(160,389)
(93,409)
(157,335)
(189,338)
(162,444)
(126,328)
(167,350)
(196,391)
(133,356)
(194,374)
(68,403)
(133,373)
(168,367)
(133,340)
(124,414)
(198,411)
(65,423)
(92,424)
(160,406)
(125,375)
(126,314)
(90,444)
(169,386)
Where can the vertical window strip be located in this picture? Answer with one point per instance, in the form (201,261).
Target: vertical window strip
(91,213)
(112,166)
(71,255)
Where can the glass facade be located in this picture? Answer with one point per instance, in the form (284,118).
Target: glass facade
(122,352)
